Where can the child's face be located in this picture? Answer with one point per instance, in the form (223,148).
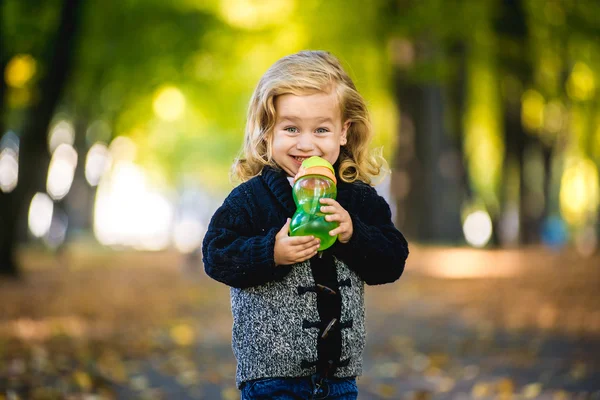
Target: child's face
(305,126)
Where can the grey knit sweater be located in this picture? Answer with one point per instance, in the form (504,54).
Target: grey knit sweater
(271,337)
(279,313)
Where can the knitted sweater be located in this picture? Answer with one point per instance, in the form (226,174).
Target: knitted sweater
(281,313)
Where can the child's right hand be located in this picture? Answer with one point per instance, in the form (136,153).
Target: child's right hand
(293,249)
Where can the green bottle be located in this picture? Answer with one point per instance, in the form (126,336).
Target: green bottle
(315,180)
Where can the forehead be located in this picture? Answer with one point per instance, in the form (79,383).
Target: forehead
(319,105)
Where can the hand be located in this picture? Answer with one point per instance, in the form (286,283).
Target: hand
(335,212)
(293,249)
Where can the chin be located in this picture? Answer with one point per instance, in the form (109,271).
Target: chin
(289,170)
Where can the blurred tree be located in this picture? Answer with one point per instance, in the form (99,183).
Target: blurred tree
(558,108)
(4,56)
(495,97)
(57,57)
(510,23)
(428,53)
(148,45)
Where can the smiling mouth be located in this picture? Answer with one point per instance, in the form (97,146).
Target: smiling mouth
(300,158)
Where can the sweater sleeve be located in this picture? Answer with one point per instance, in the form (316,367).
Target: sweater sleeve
(233,255)
(377,251)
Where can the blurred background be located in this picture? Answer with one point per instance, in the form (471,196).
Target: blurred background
(120,120)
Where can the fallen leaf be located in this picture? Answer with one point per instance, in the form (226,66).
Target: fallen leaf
(480,390)
(83,380)
(578,371)
(183,334)
(421,395)
(505,386)
(230,393)
(532,390)
(386,391)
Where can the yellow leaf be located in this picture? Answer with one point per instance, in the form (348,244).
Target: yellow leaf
(578,371)
(421,395)
(439,360)
(560,395)
(183,334)
(506,386)
(446,385)
(532,390)
(386,391)
(230,393)
(139,383)
(82,380)
(480,390)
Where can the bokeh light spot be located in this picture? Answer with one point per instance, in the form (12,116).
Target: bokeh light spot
(19,70)
(477,228)
(581,84)
(40,214)
(256,14)
(532,112)
(169,103)
(61,171)
(97,163)
(9,170)
(188,234)
(62,132)
(579,191)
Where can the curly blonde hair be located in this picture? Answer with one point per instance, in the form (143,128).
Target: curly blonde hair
(299,74)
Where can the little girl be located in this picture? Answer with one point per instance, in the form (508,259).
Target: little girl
(299,320)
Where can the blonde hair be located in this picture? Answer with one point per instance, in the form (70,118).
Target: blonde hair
(299,74)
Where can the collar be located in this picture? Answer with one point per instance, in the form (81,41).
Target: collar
(276,180)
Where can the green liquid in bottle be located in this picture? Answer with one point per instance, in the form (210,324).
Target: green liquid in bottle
(308,219)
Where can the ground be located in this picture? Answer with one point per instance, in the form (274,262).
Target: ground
(459,324)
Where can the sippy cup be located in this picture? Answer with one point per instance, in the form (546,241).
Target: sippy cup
(315,180)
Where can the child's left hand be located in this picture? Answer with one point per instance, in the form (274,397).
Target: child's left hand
(337,213)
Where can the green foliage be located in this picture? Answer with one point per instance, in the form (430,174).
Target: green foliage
(215,58)
(214,52)
(26,25)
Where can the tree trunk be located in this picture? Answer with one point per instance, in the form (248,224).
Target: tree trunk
(515,140)
(79,201)
(33,153)
(427,167)
(512,25)
(8,264)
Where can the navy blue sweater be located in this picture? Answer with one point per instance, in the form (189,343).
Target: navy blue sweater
(238,248)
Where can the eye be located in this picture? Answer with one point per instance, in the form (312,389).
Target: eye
(291,129)
(322,130)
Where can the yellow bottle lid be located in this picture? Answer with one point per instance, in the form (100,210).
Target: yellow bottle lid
(316,166)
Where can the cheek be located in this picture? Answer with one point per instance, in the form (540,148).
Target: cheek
(333,154)
(276,141)
(280,145)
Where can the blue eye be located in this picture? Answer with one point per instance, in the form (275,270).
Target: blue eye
(291,129)
(322,130)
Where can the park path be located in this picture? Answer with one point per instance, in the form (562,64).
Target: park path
(510,325)
(459,324)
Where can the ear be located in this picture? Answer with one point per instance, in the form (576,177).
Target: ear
(344,138)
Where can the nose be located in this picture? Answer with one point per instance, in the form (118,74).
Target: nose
(305,142)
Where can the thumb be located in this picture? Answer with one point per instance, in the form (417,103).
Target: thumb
(285,228)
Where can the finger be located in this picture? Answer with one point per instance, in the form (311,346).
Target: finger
(328,209)
(333,217)
(337,231)
(330,202)
(299,240)
(285,228)
(306,254)
(313,243)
